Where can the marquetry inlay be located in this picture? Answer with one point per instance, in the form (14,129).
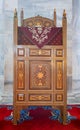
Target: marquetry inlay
(40,52)
(36,97)
(20,75)
(59,53)
(40,75)
(59,97)
(21,52)
(59,75)
(20,97)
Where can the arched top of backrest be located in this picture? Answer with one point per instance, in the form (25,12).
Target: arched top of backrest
(38,20)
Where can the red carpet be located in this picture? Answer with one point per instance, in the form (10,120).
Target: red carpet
(40,121)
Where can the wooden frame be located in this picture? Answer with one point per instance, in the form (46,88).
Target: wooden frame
(57,58)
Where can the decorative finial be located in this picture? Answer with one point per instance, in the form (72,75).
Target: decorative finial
(22,16)
(54,18)
(64,13)
(15,13)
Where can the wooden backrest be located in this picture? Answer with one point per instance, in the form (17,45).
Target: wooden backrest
(40,21)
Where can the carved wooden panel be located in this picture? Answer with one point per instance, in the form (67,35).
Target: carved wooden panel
(21,52)
(40,52)
(40,75)
(59,97)
(40,97)
(20,97)
(59,74)
(59,53)
(20,74)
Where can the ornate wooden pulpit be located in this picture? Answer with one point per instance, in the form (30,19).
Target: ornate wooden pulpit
(39,64)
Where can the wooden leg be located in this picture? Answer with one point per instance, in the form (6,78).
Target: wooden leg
(15,116)
(64,115)
(16,113)
(63,110)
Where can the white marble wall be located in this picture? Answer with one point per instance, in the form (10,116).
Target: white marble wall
(76,52)
(6,50)
(43,8)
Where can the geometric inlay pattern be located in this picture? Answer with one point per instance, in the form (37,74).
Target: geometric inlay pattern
(40,75)
(59,97)
(20,97)
(59,74)
(20,75)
